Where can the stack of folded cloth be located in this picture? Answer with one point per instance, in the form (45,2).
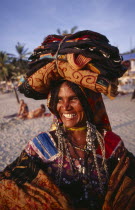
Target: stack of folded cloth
(85,58)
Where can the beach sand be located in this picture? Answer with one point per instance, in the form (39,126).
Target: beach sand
(15,133)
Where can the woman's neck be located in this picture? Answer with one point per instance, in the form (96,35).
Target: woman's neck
(77,128)
(77,136)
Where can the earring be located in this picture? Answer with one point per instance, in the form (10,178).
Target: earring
(48,100)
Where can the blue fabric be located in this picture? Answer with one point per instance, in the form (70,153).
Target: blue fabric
(45,145)
(128,56)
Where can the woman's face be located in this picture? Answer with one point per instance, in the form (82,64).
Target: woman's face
(69,108)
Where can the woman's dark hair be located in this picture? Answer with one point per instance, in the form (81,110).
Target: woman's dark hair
(81,94)
(42,106)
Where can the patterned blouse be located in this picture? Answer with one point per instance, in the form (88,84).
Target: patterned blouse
(41,156)
(82,189)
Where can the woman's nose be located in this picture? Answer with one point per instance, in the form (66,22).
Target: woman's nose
(66,105)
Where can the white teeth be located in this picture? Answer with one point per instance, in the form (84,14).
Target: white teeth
(69,115)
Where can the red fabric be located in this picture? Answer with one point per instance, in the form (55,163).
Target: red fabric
(97,106)
(112,141)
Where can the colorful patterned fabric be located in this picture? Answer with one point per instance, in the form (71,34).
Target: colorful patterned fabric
(85,58)
(44,146)
(40,194)
(25,184)
(48,151)
(121,188)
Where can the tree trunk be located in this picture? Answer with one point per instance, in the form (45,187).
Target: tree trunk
(16,94)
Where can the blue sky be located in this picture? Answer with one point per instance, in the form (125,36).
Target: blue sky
(29,21)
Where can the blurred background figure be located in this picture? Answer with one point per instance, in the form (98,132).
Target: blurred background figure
(39,112)
(23,110)
(133,95)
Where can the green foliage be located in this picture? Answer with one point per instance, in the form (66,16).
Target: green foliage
(133,50)
(6,67)
(11,66)
(22,52)
(20,62)
(72,30)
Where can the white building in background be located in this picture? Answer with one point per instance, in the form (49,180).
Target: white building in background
(127,82)
(131,58)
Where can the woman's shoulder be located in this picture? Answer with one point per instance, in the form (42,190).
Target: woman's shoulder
(112,138)
(45,138)
(113,143)
(43,145)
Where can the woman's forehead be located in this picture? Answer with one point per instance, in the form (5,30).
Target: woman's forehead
(66,90)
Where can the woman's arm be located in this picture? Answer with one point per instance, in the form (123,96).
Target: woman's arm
(24,168)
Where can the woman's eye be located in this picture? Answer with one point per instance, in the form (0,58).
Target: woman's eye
(59,99)
(75,98)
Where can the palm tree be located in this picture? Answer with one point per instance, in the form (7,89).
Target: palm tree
(6,67)
(73,29)
(22,52)
(21,60)
(7,70)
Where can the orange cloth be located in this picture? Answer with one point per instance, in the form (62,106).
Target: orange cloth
(121,188)
(41,193)
(85,77)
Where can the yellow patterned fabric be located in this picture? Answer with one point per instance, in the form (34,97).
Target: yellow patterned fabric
(41,79)
(41,193)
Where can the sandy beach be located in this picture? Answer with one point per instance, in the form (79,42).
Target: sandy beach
(15,133)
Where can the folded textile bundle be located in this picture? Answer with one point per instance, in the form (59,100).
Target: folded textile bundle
(85,58)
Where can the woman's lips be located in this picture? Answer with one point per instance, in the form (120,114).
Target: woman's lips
(69,116)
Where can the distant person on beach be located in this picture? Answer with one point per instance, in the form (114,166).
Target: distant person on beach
(39,112)
(23,110)
(133,95)
(81,163)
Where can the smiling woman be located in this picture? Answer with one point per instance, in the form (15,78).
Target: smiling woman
(69,107)
(81,164)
